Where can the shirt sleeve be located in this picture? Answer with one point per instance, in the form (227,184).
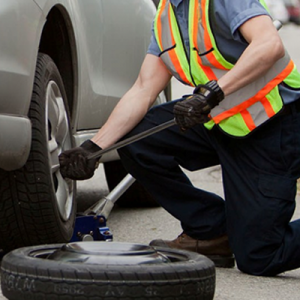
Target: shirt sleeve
(153,46)
(236,12)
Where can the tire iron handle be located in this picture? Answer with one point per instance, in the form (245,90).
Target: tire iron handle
(133,139)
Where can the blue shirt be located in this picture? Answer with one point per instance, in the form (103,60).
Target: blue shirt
(226,17)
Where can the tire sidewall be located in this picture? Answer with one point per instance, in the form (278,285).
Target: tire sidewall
(22,274)
(39,140)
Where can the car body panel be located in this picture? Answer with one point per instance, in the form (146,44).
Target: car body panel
(18,48)
(113,68)
(104,34)
(16,130)
(111,38)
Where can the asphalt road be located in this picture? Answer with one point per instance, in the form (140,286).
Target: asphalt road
(143,225)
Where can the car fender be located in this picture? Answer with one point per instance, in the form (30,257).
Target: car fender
(18,47)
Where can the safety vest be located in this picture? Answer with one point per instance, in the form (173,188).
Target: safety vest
(240,112)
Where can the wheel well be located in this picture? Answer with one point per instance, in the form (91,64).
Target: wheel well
(58,42)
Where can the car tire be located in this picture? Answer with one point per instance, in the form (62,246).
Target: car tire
(36,204)
(84,270)
(135,196)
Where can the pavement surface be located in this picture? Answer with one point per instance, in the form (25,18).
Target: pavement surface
(143,225)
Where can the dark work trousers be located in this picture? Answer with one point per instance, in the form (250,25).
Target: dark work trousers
(259,178)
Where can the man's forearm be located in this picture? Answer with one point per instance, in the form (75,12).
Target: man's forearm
(133,106)
(126,115)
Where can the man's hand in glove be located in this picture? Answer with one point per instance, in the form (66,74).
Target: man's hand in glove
(74,163)
(196,108)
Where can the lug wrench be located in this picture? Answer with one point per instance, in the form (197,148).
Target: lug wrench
(133,139)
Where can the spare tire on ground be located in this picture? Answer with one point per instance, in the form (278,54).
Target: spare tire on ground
(106,270)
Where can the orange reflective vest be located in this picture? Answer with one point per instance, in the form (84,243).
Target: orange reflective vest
(240,112)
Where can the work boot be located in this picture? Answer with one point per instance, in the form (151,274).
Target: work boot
(217,249)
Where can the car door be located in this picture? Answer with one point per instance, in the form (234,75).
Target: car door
(114,37)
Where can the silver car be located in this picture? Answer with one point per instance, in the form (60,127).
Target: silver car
(64,65)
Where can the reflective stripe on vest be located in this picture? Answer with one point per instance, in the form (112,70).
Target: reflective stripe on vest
(240,112)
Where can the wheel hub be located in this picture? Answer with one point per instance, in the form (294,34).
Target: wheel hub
(108,253)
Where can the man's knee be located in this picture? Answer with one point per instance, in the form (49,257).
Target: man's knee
(256,262)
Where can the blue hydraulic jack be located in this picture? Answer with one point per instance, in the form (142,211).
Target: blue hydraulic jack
(91,224)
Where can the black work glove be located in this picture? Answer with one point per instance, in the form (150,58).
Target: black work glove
(74,163)
(196,108)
